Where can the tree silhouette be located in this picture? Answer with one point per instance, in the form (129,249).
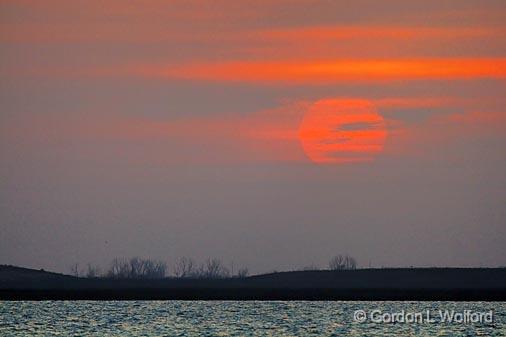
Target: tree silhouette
(340,262)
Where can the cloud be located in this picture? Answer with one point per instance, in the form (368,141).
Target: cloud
(399,103)
(266,135)
(446,132)
(334,71)
(359,126)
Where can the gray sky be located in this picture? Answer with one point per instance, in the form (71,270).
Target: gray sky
(269,134)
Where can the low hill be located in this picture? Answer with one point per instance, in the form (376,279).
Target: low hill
(360,284)
(13,276)
(389,278)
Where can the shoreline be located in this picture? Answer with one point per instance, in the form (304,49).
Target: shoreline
(402,284)
(255,294)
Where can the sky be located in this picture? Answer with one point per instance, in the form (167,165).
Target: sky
(269,134)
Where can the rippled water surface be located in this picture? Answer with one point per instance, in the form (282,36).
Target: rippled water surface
(232,318)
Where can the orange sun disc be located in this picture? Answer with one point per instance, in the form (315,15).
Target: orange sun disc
(342,131)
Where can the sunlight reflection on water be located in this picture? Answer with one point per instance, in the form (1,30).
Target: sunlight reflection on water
(234,318)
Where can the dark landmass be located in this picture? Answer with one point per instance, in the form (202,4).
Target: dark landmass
(414,284)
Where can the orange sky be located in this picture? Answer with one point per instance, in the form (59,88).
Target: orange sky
(200,43)
(342,131)
(341,70)
(253,126)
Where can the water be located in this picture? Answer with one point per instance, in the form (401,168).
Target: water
(233,318)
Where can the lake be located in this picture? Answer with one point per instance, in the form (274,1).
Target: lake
(251,318)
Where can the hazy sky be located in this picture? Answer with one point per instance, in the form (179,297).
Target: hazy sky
(270,134)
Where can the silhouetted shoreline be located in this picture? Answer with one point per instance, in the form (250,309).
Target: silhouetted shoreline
(413,284)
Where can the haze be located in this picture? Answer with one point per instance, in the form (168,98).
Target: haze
(165,129)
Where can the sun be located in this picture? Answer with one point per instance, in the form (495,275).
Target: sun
(342,131)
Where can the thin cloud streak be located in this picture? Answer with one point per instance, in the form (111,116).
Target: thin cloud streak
(297,73)
(399,32)
(332,71)
(154,32)
(266,135)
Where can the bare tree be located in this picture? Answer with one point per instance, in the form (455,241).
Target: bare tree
(185,267)
(242,272)
(199,271)
(153,269)
(336,263)
(137,268)
(214,268)
(340,262)
(92,271)
(74,270)
(119,268)
(211,268)
(350,262)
